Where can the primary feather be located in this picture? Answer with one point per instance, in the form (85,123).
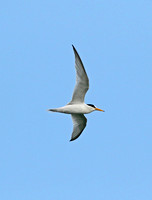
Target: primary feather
(79,123)
(82,81)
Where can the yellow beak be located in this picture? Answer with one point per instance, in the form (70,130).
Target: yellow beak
(99,109)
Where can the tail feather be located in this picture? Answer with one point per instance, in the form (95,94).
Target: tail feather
(53,110)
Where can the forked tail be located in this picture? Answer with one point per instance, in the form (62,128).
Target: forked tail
(53,110)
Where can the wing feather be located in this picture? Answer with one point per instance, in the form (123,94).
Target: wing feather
(79,123)
(82,81)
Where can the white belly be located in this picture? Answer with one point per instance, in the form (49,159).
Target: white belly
(75,109)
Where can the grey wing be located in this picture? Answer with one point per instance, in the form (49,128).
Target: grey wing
(79,123)
(82,81)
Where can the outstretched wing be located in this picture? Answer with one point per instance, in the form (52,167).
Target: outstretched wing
(82,81)
(79,123)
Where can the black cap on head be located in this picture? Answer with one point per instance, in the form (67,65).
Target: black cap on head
(91,105)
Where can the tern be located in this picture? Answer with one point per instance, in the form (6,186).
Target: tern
(76,107)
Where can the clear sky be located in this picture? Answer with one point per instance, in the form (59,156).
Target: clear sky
(112,159)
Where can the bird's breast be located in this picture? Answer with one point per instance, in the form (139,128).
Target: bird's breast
(75,109)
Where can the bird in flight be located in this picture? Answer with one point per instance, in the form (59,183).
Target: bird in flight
(76,107)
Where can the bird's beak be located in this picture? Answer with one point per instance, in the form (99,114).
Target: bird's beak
(99,109)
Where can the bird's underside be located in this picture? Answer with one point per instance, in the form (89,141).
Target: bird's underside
(76,107)
(81,87)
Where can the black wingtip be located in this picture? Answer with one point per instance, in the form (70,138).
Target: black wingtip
(76,53)
(73,47)
(72,139)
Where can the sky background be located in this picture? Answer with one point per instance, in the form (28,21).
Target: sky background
(112,159)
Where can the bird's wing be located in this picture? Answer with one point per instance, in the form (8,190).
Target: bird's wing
(82,81)
(79,123)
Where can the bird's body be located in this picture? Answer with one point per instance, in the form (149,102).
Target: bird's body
(80,108)
(77,108)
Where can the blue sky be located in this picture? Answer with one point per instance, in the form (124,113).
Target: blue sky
(111,160)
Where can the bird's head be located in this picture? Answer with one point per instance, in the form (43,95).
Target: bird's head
(94,107)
